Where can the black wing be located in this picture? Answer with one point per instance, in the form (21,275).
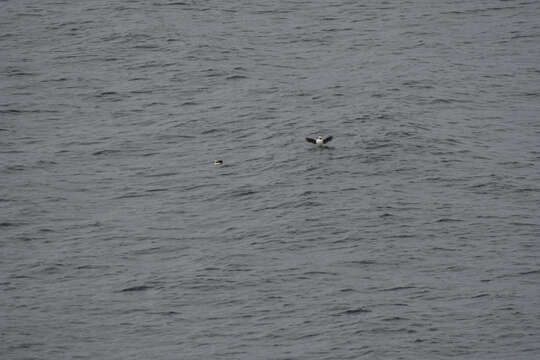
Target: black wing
(311,140)
(327,139)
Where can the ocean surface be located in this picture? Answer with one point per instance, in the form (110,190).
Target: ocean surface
(414,235)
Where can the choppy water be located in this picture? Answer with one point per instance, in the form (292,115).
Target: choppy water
(414,236)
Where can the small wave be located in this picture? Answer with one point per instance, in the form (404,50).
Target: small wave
(417,84)
(91,267)
(136,288)
(447,101)
(512,275)
(105,152)
(394,318)
(311,273)
(61,79)
(356,311)
(309,204)
(438,248)
(131,195)
(214,130)
(15,168)
(19,111)
(198,186)
(140,91)
(146,46)
(108,93)
(174,3)
(476,11)
(17,73)
(399,288)
(537,271)
(8,224)
(236,77)
(518,223)
(360,262)
(44,163)
(479,296)
(241,193)
(157,190)
(448,220)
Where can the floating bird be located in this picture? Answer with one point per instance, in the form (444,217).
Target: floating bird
(218,162)
(319,140)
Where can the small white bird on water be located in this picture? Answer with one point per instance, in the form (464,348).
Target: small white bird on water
(319,140)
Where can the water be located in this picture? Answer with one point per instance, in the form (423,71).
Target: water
(413,236)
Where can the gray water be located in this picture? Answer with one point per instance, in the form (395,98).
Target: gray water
(413,235)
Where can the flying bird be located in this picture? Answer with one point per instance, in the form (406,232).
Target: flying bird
(319,140)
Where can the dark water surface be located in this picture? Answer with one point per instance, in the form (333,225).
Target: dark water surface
(414,236)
